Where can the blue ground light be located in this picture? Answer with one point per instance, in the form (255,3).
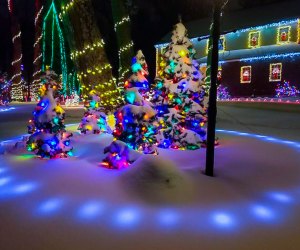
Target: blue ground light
(50,206)
(91,210)
(124,218)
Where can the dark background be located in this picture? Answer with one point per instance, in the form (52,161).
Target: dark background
(151,20)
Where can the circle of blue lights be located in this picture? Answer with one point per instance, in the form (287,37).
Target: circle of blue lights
(131,217)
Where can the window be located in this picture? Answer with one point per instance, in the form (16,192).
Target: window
(275,72)
(283,34)
(246,74)
(221,46)
(254,39)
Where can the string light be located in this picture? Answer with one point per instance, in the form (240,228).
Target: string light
(66,84)
(122,21)
(87,49)
(17,60)
(16,36)
(38,15)
(126,47)
(16,79)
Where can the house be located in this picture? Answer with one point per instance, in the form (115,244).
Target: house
(259,48)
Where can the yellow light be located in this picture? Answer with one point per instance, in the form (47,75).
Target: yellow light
(283,32)
(254,39)
(277,75)
(246,71)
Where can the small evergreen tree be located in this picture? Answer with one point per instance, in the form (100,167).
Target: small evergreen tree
(135,120)
(48,135)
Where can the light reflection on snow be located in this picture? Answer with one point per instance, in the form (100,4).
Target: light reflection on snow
(127,217)
(263,137)
(263,212)
(24,188)
(50,206)
(4,181)
(91,209)
(3,170)
(280,197)
(7,109)
(222,219)
(168,218)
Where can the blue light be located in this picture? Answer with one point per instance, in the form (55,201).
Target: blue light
(127,217)
(4,181)
(262,212)
(168,218)
(24,188)
(7,109)
(50,206)
(222,219)
(91,210)
(263,137)
(3,170)
(280,197)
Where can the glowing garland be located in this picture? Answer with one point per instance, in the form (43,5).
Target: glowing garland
(16,87)
(66,83)
(16,36)
(38,15)
(88,48)
(126,47)
(17,60)
(95,70)
(122,21)
(66,8)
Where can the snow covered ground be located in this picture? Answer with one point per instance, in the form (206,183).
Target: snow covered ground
(252,203)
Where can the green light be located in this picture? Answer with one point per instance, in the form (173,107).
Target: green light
(130,97)
(136,67)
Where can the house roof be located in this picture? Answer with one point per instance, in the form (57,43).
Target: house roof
(273,51)
(244,18)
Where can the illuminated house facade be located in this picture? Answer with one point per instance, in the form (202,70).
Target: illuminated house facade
(263,51)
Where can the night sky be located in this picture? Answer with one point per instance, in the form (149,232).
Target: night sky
(152,19)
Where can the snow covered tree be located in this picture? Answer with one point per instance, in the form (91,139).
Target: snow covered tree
(95,118)
(135,120)
(285,89)
(222,93)
(179,96)
(48,135)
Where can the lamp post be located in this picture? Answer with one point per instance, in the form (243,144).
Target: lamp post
(212,104)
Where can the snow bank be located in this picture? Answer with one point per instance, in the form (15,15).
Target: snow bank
(158,180)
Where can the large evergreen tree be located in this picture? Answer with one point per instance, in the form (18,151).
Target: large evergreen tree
(179,95)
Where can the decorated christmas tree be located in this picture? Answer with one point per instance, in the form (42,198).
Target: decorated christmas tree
(285,89)
(96,119)
(135,129)
(223,93)
(49,138)
(179,96)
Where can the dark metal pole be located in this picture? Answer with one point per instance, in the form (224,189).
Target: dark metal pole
(212,105)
